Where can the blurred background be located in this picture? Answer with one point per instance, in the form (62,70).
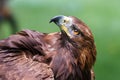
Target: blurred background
(102,16)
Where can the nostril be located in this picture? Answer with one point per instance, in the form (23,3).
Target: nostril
(64,21)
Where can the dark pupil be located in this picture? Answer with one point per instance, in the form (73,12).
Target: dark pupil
(75,30)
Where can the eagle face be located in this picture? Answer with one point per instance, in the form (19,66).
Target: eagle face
(74,29)
(66,24)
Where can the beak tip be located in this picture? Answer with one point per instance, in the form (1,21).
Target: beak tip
(56,19)
(50,21)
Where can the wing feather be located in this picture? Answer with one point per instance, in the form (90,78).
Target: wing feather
(18,57)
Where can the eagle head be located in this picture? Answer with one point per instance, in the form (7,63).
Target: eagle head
(72,26)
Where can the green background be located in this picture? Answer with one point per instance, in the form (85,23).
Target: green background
(102,16)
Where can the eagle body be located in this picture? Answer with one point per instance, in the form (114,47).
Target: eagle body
(31,55)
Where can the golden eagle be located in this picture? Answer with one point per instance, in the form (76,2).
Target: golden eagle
(66,55)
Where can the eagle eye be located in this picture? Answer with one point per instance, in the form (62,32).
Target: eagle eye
(75,30)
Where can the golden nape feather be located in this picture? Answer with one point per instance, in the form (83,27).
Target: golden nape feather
(66,55)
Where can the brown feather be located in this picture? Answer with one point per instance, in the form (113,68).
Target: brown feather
(31,55)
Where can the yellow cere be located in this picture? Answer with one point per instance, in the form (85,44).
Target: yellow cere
(65,29)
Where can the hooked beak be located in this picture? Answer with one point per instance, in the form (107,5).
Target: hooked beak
(56,19)
(63,22)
